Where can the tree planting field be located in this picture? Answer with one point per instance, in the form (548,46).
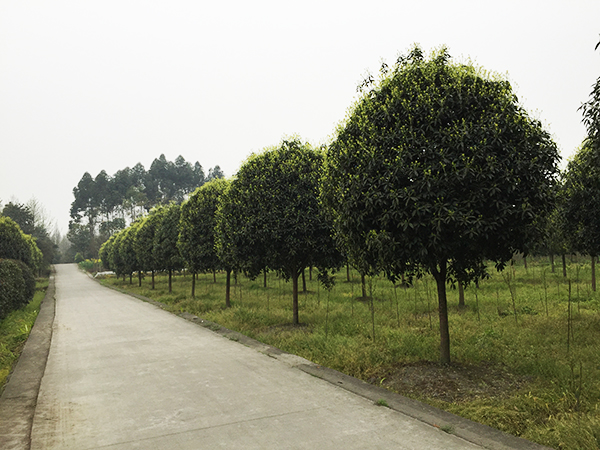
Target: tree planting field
(525,348)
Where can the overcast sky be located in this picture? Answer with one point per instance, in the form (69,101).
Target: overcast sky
(88,85)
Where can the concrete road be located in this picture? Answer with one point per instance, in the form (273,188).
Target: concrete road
(124,374)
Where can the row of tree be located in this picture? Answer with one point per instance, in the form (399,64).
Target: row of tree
(437,169)
(267,218)
(105,204)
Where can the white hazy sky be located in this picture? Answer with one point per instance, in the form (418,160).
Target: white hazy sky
(87,85)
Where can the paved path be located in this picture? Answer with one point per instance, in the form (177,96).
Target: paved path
(124,374)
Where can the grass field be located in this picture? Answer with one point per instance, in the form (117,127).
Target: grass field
(15,329)
(531,336)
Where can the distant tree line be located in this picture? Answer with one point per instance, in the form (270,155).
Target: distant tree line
(105,204)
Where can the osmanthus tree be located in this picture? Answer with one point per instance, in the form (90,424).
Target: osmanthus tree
(127,253)
(438,169)
(228,218)
(165,252)
(582,202)
(582,184)
(114,255)
(197,229)
(271,216)
(143,243)
(105,253)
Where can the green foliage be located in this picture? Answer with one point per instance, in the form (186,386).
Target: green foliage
(165,238)
(14,330)
(581,210)
(591,117)
(126,249)
(116,262)
(82,239)
(197,225)
(21,214)
(90,265)
(105,253)
(14,244)
(438,169)
(31,221)
(17,286)
(129,192)
(144,241)
(273,217)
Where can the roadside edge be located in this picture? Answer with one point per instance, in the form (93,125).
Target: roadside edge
(19,399)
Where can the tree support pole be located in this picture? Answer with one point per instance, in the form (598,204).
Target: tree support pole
(440,279)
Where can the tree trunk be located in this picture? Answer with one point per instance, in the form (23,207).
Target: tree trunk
(228,288)
(193,285)
(461,295)
(153,279)
(348,272)
(364,285)
(552,262)
(594,273)
(310,273)
(564,264)
(139,278)
(295,276)
(525,262)
(170,285)
(214,276)
(440,279)
(303,282)
(265,277)
(130,277)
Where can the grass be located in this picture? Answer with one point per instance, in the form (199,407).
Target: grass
(15,329)
(524,320)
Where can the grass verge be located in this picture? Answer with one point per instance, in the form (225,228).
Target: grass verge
(15,329)
(526,348)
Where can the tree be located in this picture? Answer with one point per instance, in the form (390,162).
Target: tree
(582,184)
(144,243)
(276,220)
(21,214)
(105,253)
(14,244)
(197,229)
(214,173)
(438,169)
(227,220)
(25,217)
(582,202)
(165,251)
(127,253)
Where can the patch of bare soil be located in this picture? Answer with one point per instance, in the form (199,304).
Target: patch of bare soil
(453,383)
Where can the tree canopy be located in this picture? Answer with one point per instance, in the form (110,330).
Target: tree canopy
(196,241)
(14,244)
(165,252)
(438,169)
(273,215)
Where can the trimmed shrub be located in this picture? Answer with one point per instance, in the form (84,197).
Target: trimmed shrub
(17,286)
